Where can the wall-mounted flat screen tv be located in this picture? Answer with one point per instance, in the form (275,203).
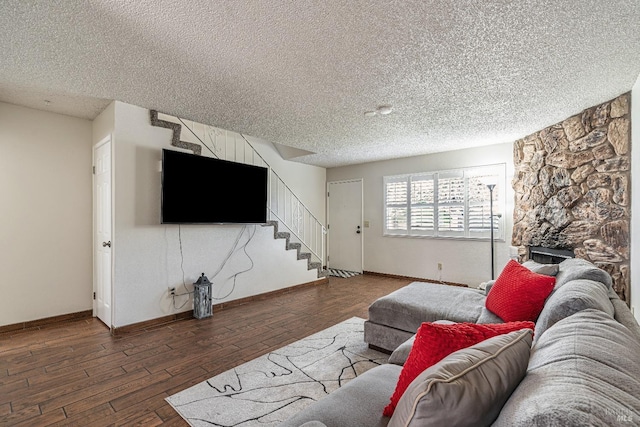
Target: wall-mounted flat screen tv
(204,190)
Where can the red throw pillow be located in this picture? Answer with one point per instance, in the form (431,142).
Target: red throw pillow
(519,293)
(436,341)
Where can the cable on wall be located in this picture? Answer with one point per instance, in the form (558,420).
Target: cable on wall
(188,293)
(234,249)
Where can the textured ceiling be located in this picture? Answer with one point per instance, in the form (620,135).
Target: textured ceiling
(301,73)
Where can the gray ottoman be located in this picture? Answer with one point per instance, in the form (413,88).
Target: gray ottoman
(394,318)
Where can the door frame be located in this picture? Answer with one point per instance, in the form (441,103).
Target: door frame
(108,139)
(345,181)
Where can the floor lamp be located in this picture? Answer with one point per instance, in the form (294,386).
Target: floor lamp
(491,187)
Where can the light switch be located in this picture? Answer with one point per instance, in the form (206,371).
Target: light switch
(366,224)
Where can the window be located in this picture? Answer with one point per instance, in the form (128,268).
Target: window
(451,203)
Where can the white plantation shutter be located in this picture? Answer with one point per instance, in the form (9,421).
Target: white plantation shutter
(479,215)
(396,219)
(422,207)
(479,205)
(422,218)
(451,200)
(396,201)
(451,203)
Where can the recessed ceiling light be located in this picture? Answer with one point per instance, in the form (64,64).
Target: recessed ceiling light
(370,113)
(384,109)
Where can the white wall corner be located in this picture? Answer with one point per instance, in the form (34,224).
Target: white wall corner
(635,199)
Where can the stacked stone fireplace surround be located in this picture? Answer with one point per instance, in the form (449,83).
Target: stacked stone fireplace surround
(572,189)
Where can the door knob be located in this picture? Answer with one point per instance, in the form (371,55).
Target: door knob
(358,230)
(106,244)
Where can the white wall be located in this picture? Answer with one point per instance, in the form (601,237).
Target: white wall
(635,199)
(466,261)
(45,214)
(104,124)
(147,254)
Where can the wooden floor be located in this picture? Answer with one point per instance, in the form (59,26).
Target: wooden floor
(76,373)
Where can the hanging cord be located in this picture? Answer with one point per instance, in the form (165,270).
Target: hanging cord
(233,250)
(188,293)
(181,256)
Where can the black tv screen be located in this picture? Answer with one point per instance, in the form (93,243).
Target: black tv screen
(204,190)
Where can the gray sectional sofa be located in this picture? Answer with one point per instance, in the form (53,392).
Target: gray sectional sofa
(583,364)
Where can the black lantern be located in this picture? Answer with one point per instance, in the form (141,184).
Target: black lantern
(202,306)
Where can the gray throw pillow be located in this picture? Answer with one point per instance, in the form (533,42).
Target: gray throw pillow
(400,354)
(487,316)
(488,285)
(584,371)
(546,269)
(468,387)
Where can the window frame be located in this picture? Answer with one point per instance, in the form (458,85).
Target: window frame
(468,232)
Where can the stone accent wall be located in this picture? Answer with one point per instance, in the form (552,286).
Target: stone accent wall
(572,189)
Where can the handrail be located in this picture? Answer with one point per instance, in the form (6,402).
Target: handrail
(298,219)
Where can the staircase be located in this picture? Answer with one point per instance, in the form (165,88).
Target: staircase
(297,246)
(304,232)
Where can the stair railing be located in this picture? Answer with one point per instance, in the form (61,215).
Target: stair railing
(283,204)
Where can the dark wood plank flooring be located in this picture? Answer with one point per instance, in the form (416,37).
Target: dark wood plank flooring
(76,374)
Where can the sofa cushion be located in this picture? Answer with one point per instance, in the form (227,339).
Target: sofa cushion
(435,341)
(574,296)
(488,285)
(486,316)
(584,370)
(400,354)
(546,269)
(407,307)
(519,293)
(358,403)
(468,387)
(577,268)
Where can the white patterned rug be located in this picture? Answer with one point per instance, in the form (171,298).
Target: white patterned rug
(266,391)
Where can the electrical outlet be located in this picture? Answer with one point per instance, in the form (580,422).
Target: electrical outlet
(439,266)
(172,291)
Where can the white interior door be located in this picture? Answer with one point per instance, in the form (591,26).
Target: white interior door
(102,231)
(344,234)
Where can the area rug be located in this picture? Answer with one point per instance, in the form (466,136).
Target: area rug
(266,391)
(342,273)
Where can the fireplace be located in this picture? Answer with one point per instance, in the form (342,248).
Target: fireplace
(549,255)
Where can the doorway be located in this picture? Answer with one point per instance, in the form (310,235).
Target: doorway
(102,226)
(344,225)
